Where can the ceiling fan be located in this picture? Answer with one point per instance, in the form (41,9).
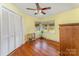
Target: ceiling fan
(39,9)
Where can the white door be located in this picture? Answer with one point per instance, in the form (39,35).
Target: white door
(11,32)
(18,30)
(4,32)
(21,31)
(0,31)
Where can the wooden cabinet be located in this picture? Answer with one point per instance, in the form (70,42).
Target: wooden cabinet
(69,39)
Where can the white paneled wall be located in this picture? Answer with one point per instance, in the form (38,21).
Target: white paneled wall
(11,33)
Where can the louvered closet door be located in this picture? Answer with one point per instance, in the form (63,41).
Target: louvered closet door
(4,32)
(18,31)
(0,31)
(11,32)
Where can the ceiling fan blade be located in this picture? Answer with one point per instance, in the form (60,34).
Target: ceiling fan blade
(30,9)
(46,8)
(37,5)
(43,12)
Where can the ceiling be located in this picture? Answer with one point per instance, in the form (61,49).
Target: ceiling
(55,8)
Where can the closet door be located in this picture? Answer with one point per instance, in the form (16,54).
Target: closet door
(66,41)
(69,39)
(18,31)
(76,39)
(11,32)
(0,31)
(4,32)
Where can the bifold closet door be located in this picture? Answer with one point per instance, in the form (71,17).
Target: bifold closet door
(18,31)
(0,32)
(11,31)
(4,32)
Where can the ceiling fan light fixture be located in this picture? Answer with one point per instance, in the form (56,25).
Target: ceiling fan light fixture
(39,10)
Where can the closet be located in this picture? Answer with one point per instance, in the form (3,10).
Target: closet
(11,31)
(69,39)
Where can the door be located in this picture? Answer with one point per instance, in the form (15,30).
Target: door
(0,31)
(69,39)
(4,32)
(76,39)
(18,30)
(66,40)
(11,31)
(21,30)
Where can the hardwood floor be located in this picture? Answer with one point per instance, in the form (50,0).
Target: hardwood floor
(39,47)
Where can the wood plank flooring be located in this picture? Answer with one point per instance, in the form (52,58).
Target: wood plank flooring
(39,47)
